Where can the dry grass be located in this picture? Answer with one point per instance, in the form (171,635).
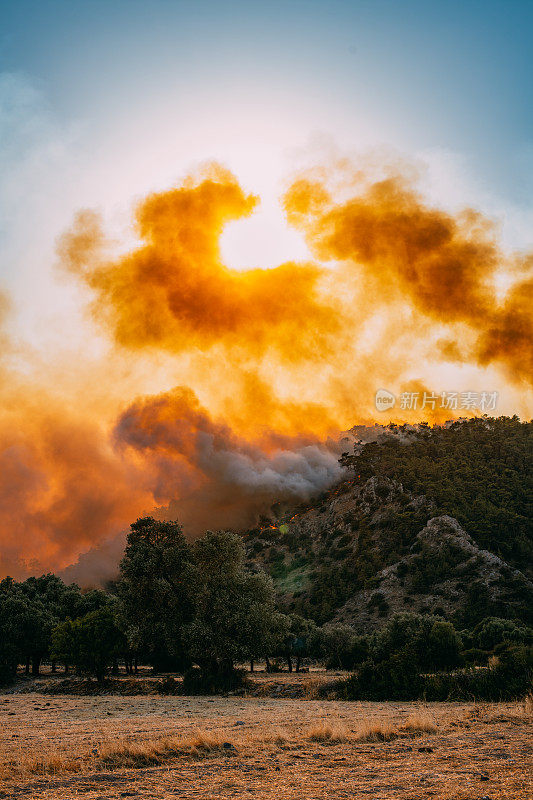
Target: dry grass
(277,737)
(312,688)
(52,763)
(124,753)
(418,723)
(326,732)
(118,753)
(114,753)
(223,747)
(522,712)
(377,732)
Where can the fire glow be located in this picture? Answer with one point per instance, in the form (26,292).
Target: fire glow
(267,365)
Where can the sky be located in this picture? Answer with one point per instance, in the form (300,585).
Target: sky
(104,105)
(112,99)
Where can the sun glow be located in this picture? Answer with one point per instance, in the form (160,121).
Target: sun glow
(262,240)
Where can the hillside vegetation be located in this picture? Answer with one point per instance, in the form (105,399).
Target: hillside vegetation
(428,519)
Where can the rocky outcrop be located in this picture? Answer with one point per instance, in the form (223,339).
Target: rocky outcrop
(453,564)
(441,569)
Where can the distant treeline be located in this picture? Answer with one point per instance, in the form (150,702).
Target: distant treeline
(195,608)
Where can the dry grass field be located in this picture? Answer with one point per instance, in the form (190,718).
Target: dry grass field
(62,747)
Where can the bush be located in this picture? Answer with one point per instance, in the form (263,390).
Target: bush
(475,657)
(199,682)
(510,679)
(398,678)
(169,685)
(493,631)
(427,641)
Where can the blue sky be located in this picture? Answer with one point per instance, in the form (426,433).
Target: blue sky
(103,101)
(447,74)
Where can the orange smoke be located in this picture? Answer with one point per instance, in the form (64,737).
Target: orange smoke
(62,490)
(174,292)
(443,265)
(206,471)
(269,364)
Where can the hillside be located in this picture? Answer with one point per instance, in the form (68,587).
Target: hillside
(428,519)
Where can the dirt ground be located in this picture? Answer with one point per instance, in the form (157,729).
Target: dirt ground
(64,747)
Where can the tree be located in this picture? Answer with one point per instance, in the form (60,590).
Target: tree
(156,591)
(234,614)
(444,646)
(25,628)
(493,631)
(341,647)
(91,642)
(431,643)
(16,621)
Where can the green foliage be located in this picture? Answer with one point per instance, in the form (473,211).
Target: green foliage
(91,642)
(398,654)
(430,643)
(398,678)
(478,471)
(493,631)
(509,679)
(234,609)
(341,648)
(156,588)
(28,613)
(419,657)
(21,631)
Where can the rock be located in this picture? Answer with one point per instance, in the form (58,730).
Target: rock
(425,749)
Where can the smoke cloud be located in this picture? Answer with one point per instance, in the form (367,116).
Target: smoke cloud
(174,292)
(222,391)
(444,265)
(205,470)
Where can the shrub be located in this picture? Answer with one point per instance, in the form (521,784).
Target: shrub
(396,678)
(199,682)
(169,685)
(475,657)
(509,679)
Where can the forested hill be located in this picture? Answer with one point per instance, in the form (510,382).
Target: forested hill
(364,550)
(478,471)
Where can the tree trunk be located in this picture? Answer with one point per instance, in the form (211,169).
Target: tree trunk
(114,668)
(54,667)
(267,664)
(135,665)
(27,670)
(35,664)
(251,665)
(297,663)
(289,662)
